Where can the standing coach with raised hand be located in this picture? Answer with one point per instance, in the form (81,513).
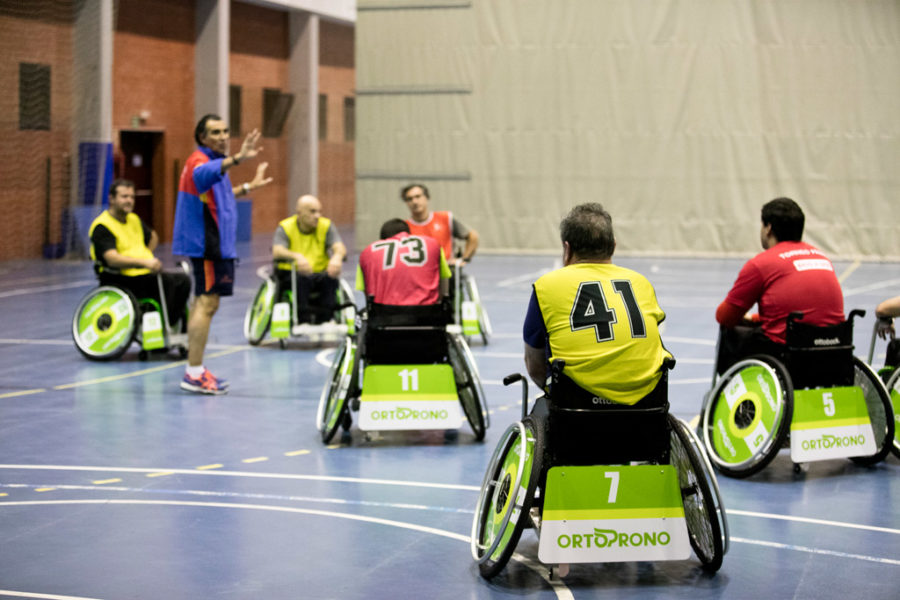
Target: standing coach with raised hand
(206,232)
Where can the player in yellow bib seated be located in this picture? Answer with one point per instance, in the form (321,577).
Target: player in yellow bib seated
(601,319)
(122,250)
(314,245)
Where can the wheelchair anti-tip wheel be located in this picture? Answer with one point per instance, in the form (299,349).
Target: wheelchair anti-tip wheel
(468,385)
(881,412)
(333,410)
(259,313)
(703,508)
(748,416)
(893,388)
(506,495)
(105,323)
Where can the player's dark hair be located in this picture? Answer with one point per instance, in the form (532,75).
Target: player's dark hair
(411,186)
(786,218)
(200,129)
(117,183)
(392,227)
(589,232)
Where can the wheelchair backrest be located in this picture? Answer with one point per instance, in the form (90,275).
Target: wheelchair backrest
(819,356)
(405,334)
(584,429)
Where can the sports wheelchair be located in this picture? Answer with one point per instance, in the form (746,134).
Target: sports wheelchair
(109,318)
(407,367)
(275,309)
(890,375)
(598,482)
(815,393)
(469,312)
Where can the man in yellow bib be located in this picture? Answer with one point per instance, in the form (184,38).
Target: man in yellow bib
(122,249)
(314,245)
(601,319)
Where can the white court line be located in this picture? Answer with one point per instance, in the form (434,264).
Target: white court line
(446,486)
(47,288)
(559,588)
(887,283)
(43,596)
(876,559)
(843,276)
(759,515)
(402,525)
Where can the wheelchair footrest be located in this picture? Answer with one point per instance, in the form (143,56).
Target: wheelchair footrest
(613,514)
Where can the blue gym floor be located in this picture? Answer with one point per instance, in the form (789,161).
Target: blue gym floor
(115,484)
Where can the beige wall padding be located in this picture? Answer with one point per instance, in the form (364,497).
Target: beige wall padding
(682,117)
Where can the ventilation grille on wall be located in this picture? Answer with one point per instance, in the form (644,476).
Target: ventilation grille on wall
(34,96)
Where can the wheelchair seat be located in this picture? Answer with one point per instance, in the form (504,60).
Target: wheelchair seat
(405,334)
(619,433)
(819,356)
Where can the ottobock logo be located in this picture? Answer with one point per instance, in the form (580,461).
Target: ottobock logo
(402,413)
(599,400)
(764,386)
(609,538)
(826,342)
(827,442)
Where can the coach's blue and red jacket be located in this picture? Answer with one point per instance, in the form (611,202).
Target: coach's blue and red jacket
(206,211)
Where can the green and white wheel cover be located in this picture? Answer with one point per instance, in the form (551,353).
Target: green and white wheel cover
(746,414)
(104,322)
(260,311)
(507,493)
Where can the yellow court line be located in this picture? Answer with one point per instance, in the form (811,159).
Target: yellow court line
(3,494)
(161,474)
(843,276)
(332,446)
(208,467)
(144,371)
(102,481)
(255,460)
(296,452)
(47,489)
(23,393)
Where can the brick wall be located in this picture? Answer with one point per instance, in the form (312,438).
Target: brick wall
(337,81)
(153,71)
(35,32)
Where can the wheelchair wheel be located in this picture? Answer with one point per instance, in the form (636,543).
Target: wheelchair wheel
(506,495)
(468,385)
(333,411)
(893,388)
(703,508)
(259,313)
(484,323)
(881,412)
(748,416)
(105,323)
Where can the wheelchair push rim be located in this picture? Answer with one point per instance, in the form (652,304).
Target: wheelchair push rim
(748,416)
(507,492)
(893,388)
(333,401)
(881,404)
(703,509)
(259,313)
(105,323)
(468,381)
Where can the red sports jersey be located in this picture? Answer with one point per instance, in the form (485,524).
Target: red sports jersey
(403,270)
(789,277)
(438,226)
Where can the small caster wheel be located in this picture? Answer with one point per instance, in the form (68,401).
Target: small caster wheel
(182,352)
(346,421)
(282,343)
(142,355)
